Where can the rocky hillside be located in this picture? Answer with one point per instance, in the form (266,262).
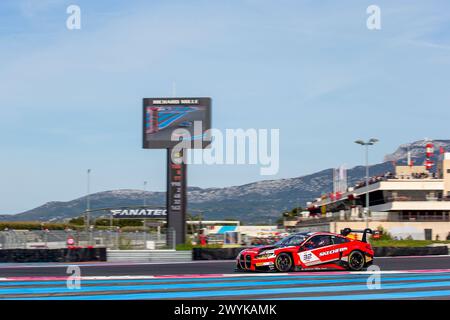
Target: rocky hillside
(417,150)
(258,202)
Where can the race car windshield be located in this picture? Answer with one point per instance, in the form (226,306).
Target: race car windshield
(294,240)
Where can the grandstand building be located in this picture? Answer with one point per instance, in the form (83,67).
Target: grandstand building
(410,202)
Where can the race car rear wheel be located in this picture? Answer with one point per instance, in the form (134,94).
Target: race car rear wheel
(356,261)
(283,262)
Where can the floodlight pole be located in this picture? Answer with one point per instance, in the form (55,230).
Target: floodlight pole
(366,144)
(367,183)
(88,201)
(145,195)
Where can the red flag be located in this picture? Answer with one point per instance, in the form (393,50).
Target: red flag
(441,150)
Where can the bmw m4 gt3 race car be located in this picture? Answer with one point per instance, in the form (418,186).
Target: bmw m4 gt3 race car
(310,251)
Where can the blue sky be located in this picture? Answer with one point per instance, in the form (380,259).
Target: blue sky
(71,100)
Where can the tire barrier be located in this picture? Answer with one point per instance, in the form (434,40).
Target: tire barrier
(410,251)
(53,255)
(231,253)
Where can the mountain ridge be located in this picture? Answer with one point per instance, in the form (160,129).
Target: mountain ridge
(257,202)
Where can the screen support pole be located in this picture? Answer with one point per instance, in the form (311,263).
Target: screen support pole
(176,197)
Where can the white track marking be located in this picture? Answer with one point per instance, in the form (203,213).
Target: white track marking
(226,275)
(106,264)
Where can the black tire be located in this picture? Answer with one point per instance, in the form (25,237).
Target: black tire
(356,261)
(284,263)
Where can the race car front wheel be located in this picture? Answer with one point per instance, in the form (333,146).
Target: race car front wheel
(239,268)
(284,262)
(356,261)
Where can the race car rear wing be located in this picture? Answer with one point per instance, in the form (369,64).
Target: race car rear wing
(346,231)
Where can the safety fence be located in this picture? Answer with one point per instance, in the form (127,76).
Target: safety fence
(117,240)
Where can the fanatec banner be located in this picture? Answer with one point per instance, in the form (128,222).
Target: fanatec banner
(139,213)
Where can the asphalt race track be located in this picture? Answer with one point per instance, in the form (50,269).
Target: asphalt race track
(195,267)
(399,278)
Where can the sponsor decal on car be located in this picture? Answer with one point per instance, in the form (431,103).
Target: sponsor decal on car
(325,253)
(308,257)
(261,264)
(269,254)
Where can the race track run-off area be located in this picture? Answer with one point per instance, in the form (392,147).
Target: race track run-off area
(398,278)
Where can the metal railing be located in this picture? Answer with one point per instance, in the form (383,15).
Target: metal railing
(54,239)
(392,177)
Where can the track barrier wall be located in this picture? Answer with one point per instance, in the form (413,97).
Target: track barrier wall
(410,251)
(160,256)
(100,254)
(231,253)
(53,255)
(216,253)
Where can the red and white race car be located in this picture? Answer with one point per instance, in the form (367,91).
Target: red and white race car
(310,251)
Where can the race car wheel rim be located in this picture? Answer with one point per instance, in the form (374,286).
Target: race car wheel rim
(356,261)
(284,263)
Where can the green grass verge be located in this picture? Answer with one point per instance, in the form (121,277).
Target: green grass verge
(190,246)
